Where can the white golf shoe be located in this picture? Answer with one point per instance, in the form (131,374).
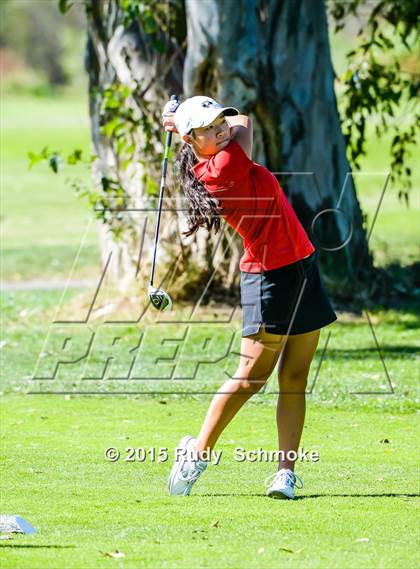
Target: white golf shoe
(186,469)
(282,484)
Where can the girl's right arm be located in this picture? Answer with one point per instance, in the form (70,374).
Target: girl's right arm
(241,131)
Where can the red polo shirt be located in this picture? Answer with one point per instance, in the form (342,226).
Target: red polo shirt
(254,204)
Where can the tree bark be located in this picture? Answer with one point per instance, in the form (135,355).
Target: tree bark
(271,59)
(116,54)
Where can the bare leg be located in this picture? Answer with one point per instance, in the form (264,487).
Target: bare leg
(259,355)
(293,373)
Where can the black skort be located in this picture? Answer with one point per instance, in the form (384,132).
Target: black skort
(289,300)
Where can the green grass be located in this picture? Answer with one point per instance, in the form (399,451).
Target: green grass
(189,362)
(395,237)
(43,221)
(55,475)
(396,233)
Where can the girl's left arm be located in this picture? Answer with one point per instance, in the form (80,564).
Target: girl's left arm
(241,131)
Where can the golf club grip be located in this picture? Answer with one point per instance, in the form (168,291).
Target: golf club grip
(169,135)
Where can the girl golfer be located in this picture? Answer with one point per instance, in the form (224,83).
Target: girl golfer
(283,300)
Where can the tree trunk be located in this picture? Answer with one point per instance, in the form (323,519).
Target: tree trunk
(271,59)
(119,55)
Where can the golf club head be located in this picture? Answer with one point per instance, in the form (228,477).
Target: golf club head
(159,298)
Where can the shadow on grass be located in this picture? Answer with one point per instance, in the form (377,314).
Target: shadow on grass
(259,495)
(381,495)
(31,545)
(389,352)
(393,286)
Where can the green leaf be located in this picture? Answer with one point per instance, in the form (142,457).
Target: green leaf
(64,6)
(108,128)
(55,162)
(149,24)
(121,145)
(159,46)
(346,76)
(45,152)
(105,183)
(125,164)
(125,91)
(130,149)
(34,159)
(75,156)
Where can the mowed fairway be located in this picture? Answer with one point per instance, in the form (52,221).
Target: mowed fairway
(358,507)
(359,504)
(43,222)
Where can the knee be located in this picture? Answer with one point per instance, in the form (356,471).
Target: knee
(251,387)
(294,382)
(248,384)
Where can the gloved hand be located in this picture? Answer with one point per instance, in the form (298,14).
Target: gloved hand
(170,107)
(168,114)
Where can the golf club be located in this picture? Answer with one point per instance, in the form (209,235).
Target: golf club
(159,298)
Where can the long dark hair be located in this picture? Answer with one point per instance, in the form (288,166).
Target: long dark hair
(203,209)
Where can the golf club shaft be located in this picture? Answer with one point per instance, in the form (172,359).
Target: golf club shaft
(162,187)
